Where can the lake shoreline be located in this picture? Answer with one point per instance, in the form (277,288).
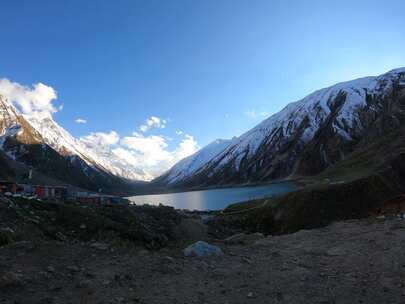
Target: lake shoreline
(215,199)
(295,181)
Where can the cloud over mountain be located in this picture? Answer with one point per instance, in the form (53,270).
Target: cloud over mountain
(150,154)
(30,100)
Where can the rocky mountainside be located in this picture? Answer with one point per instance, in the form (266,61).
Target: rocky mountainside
(63,142)
(304,138)
(39,143)
(191,164)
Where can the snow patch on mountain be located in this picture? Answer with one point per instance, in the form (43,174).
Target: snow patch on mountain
(97,157)
(191,164)
(64,143)
(301,119)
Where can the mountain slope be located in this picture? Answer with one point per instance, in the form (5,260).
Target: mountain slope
(51,151)
(307,136)
(190,165)
(63,142)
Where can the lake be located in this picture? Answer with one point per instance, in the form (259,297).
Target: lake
(213,199)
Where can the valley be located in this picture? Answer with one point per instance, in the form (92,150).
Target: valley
(285,212)
(202,152)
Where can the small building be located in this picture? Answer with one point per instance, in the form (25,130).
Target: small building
(41,191)
(12,187)
(56,192)
(94,198)
(28,189)
(89,199)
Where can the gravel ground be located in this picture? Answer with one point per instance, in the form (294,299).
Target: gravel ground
(358,261)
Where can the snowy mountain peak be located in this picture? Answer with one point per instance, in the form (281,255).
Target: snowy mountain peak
(46,129)
(274,147)
(8,116)
(191,164)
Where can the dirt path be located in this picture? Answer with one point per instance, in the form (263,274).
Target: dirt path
(347,262)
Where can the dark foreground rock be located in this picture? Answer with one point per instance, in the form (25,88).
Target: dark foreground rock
(357,261)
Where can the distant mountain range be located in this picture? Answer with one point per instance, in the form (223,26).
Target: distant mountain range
(305,138)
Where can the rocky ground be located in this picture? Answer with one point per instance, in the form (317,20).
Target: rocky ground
(355,261)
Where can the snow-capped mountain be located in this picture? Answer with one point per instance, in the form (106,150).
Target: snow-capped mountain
(38,142)
(191,164)
(102,158)
(305,137)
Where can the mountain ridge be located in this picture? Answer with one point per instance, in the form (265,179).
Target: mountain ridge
(29,143)
(305,137)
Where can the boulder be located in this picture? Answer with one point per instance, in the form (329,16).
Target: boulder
(10,279)
(202,249)
(99,246)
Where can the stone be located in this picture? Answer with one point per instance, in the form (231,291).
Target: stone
(336,251)
(50,269)
(54,287)
(25,246)
(99,246)
(246,260)
(250,295)
(73,268)
(10,279)
(168,259)
(83,284)
(236,238)
(202,249)
(143,252)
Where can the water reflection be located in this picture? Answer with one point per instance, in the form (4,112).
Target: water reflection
(214,199)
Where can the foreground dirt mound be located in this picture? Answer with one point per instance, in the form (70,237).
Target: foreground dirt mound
(346,262)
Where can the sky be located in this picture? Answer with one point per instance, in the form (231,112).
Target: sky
(159,79)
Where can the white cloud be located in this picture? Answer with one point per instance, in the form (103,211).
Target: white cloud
(101,139)
(253,114)
(81,121)
(126,155)
(151,154)
(38,99)
(186,147)
(153,122)
(152,149)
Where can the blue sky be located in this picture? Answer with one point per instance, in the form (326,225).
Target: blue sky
(212,69)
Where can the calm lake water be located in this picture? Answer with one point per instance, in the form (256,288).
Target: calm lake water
(213,199)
